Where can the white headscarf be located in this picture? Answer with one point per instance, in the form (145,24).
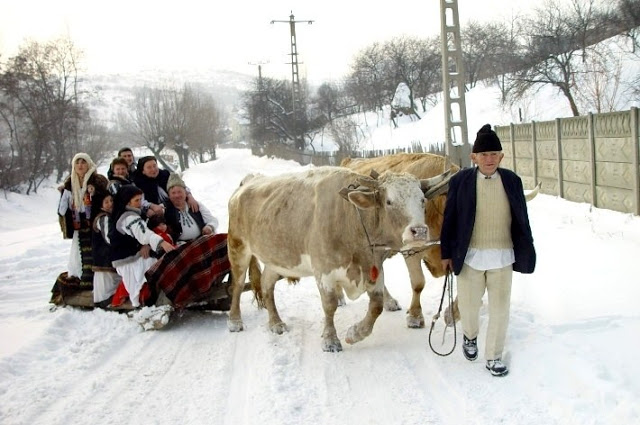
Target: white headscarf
(78,190)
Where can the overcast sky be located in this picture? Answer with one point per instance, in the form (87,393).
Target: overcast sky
(130,35)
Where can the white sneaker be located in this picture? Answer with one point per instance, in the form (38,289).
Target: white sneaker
(497,368)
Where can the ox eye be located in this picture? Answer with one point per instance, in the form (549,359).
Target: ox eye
(388,201)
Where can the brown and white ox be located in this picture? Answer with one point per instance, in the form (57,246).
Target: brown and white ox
(313,224)
(423,166)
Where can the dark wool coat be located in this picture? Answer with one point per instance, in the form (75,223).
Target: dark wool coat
(150,186)
(460,214)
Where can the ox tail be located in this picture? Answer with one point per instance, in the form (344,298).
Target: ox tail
(529,196)
(255,274)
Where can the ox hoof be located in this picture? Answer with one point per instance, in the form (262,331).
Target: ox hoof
(235,325)
(414,322)
(391,304)
(354,335)
(279,328)
(331,345)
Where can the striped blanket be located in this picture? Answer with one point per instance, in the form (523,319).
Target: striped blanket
(191,272)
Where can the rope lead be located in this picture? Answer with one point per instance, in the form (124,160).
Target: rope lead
(448,283)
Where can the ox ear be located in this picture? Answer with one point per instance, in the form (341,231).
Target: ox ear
(362,200)
(437,185)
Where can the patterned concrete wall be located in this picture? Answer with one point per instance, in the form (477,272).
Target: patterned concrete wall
(593,159)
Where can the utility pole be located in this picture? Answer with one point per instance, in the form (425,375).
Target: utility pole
(262,107)
(453,86)
(295,82)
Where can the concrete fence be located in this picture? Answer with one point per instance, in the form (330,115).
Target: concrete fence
(593,159)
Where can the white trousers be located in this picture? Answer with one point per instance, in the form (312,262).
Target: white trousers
(74,266)
(471,286)
(133,276)
(104,285)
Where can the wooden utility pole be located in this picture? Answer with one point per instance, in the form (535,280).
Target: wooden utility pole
(453,86)
(295,83)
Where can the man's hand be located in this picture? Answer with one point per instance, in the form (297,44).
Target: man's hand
(155,209)
(166,246)
(193,204)
(145,251)
(447,264)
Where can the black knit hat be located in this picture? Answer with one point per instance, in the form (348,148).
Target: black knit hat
(122,198)
(487,140)
(96,202)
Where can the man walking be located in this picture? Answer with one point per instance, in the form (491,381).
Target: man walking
(485,237)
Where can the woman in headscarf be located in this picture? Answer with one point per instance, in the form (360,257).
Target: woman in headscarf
(153,182)
(74,210)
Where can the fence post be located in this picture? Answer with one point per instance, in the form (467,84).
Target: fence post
(534,154)
(636,156)
(592,152)
(559,156)
(512,137)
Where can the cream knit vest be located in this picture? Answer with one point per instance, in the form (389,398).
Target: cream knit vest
(492,228)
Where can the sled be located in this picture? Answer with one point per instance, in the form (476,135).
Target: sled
(151,317)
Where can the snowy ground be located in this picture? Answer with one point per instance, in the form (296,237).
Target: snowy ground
(571,346)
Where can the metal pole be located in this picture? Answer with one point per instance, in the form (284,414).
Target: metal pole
(296,102)
(453,77)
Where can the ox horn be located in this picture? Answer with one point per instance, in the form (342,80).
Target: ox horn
(529,196)
(368,182)
(437,185)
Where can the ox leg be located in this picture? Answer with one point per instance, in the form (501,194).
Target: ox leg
(415,319)
(390,303)
(239,264)
(330,301)
(268,283)
(363,329)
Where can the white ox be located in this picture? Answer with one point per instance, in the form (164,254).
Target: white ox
(298,225)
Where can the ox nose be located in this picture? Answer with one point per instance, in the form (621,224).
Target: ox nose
(420,233)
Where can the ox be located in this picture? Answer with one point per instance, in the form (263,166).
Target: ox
(421,165)
(297,225)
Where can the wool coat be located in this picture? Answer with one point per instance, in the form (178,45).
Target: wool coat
(460,213)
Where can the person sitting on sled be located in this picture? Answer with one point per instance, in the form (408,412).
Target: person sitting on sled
(105,278)
(128,236)
(197,268)
(158,224)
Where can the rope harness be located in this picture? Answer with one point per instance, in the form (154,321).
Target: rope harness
(448,283)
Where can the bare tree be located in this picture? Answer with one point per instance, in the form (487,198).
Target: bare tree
(556,45)
(628,14)
(366,82)
(346,134)
(600,83)
(179,119)
(488,50)
(41,107)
